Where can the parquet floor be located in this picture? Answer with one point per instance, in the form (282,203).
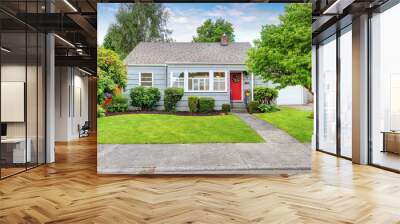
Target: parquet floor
(69,191)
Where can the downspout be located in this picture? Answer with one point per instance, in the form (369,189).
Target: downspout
(166,76)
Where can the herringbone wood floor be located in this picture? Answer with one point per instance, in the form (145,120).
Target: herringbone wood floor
(69,191)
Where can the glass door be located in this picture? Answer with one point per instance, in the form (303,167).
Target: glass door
(346,92)
(14,144)
(385,89)
(22,100)
(327,95)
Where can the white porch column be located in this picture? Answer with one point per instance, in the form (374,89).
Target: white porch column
(226,81)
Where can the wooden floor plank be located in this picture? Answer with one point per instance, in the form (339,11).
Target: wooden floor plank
(70,191)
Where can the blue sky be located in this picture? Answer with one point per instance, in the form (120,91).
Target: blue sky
(247,19)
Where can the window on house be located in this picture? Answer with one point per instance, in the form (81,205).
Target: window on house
(177,79)
(219,81)
(146,79)
(198,81)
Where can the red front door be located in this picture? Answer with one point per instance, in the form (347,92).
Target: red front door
(236,86)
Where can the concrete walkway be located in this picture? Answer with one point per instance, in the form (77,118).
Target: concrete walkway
(268,132)
(280,154)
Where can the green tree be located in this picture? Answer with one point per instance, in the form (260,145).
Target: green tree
(111,72)
(211,31)
(135,23)
(283,54)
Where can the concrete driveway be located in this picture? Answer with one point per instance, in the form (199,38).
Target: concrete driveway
(280,154)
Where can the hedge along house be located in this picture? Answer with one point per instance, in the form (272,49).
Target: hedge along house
(214,70)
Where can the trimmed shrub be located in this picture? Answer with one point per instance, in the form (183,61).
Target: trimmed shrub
(120,99)
(145,98)
(226,108)
(171,98)
(119,103)
(206,104)
(193,103)
(266,108)
(265,95)
(252,107)
(100,111)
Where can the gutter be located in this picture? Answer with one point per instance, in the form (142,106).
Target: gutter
(183,63)
(200,63)
(148,65)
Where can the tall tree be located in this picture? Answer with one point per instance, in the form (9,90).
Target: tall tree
(135,23)
(283,54)
(211,31)
(111,73)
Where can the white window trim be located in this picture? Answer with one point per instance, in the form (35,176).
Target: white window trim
(140,79)
(198,82)
(198,91)
(171,81)
(211,82)
(186,81)
(226,82)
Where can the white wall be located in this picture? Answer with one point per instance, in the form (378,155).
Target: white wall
(80,109)
(292,95)
(62,81)
(71,87)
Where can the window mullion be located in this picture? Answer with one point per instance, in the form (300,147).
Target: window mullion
(171,79)
(211,81)
(185,81)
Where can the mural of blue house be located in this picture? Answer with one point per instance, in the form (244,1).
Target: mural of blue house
(215,70)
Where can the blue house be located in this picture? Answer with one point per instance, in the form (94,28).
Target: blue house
(214,70)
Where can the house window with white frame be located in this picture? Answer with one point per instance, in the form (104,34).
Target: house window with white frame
(146,79)
(199,81)
(219,81)
(177,79)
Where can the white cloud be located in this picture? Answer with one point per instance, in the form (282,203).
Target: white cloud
(247,20)
(181,20)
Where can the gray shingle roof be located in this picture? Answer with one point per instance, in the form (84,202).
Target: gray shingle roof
(188,53)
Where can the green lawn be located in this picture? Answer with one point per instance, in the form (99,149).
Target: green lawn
(168,129)
(295,122)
